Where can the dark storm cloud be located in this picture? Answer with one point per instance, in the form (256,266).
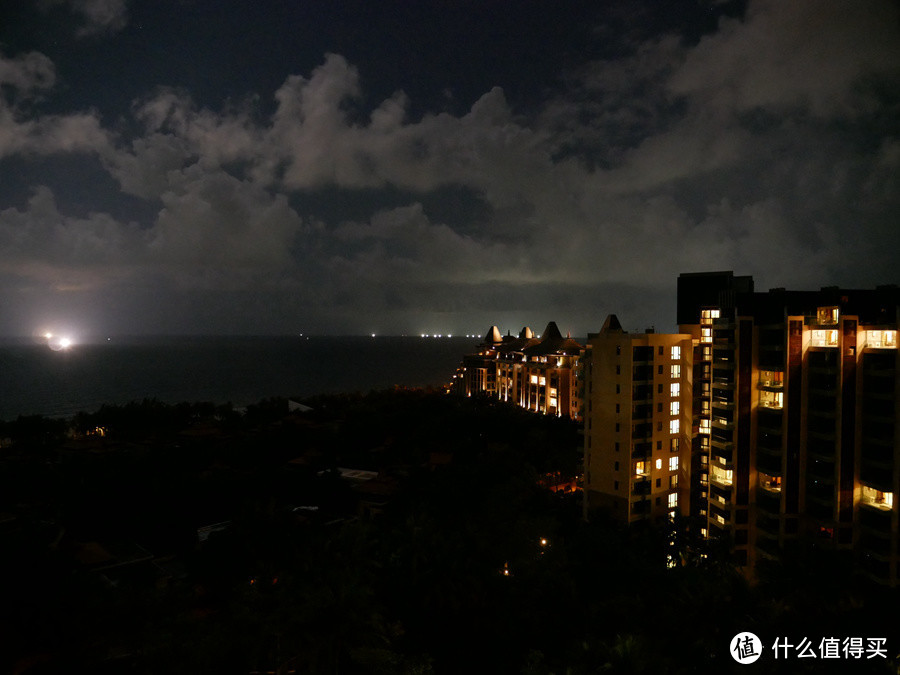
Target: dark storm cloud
(768,143)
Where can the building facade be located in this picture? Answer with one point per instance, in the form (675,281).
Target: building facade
(535,373)
(802,400)
(637,416)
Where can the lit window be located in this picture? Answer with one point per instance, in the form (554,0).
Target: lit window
(873,497)
(675,390)
(673,464)
(534,379)
(824,338)
(542,381)
(673,500)
(704,426)
(640,468)
(770,482)
(676,372)
(552,401)
(707,315)
(673,481)
(882,339)
(673,444)
(676,353)
(674,408)
(659,464)
(723,476)
(706,335)
(827,316)
(674,426)
(771,399)
(771,378)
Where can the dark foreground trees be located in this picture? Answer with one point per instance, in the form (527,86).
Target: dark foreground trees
(457,563)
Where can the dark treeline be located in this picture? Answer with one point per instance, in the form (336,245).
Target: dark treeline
(150,538)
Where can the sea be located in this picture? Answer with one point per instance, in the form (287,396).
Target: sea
(36,380)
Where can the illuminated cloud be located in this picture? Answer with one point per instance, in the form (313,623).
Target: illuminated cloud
(756,145)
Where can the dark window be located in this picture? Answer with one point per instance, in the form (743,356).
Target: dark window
(642,353)
(658,482)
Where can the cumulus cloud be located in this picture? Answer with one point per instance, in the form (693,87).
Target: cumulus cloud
(22,132)
(758,148)
(218,227)
(42,245)
(27,72)
(810,55)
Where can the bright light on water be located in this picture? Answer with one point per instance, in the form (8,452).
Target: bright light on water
(59,343)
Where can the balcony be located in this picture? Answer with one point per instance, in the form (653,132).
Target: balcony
(723,423)
(772,381)
(722,459)
(881,339)
(875,498)
(640,508)
(720,494)
(824,338)
(722,477)
(874,518)
(768,463)
(641,486)
(768,500)
(718,514)
(723,441)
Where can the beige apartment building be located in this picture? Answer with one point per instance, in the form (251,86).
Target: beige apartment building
(637,423)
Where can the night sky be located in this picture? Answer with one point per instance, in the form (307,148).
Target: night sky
(275,167)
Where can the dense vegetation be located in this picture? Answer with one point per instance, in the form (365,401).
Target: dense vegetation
(459,561)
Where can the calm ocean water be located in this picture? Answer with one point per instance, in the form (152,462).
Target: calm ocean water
(37,380)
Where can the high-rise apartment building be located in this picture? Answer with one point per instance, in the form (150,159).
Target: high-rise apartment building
(719,490)
(801,389)
(637,417)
